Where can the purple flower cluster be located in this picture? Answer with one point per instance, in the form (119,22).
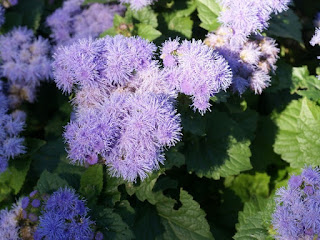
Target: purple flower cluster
(124,108)
(251,62)
(138,4)
(250,16)
(2,18)
(64,217)
(316,40)
(297,214)
(24,62)
(72,22)
(195,69)
(9,227)
(11,125)
(316,21)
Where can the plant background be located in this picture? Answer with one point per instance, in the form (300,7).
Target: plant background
(218,182)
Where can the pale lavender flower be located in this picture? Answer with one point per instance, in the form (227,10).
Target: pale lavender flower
(138,4)
(247,17)
(297,214)
(124,105)
(259,81)
(316,40)
(25,62)
(9,227)
(73,22)
(195,69)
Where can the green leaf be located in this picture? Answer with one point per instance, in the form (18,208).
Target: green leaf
(49,156)
(13,178)
(174,158)
(144,190)
(282,79)
(31,11)
(147,31)
(298,138)
(286,25)
(50,182)
(111,192)
(262,150)
(111,224)
(224,151)
(147,223)
(208,12)
(254,220)
(91,182)
(246,186)
(146,16)
(188,222)
(304,84)
(179,24)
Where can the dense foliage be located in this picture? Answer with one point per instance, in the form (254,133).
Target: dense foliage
(168,119)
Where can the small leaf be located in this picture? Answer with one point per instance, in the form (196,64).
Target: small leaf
(146,16)
(147,31)
(208,12)
(304,84)
(144,190)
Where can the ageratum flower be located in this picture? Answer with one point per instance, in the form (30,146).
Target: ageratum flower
(9,227)
(124,112)
(138,4)
(251,62)
(24,62)
(297,213)
(316,40)
(247,17)
(316,21)
(2,18)
(11,124)
(72,22)
(64,217)
(195,69)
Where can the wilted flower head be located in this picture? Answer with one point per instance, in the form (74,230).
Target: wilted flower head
(297,214)
(124,106)
(64,217)
(251,61)
(24,62)
(72,22)
(247,17)
(195,69)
